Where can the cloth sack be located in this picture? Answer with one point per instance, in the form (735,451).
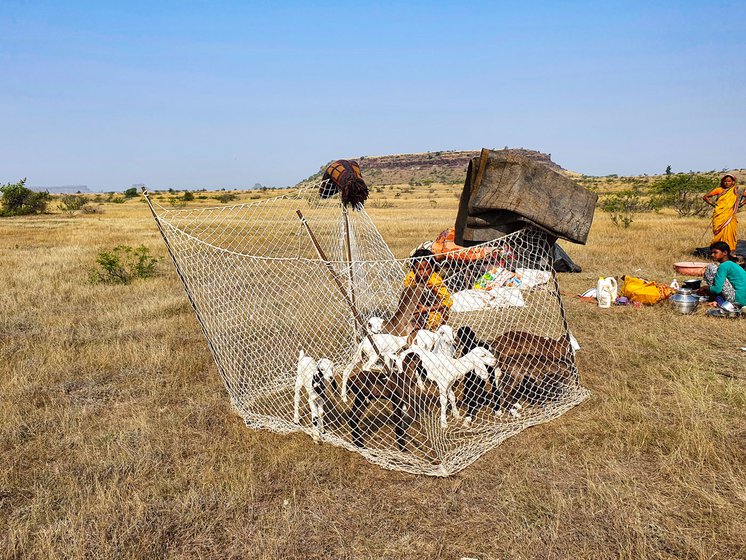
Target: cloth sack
(645,291)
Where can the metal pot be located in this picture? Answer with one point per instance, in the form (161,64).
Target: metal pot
(684,301)
(693,284)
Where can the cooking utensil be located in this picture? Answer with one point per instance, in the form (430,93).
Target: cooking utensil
(690,268)
(684,301)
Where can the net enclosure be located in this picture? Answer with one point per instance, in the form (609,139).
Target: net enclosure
(420,364)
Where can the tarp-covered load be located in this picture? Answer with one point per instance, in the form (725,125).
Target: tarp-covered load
(505,192)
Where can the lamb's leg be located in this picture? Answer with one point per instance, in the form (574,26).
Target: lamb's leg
(443,407)
(354,420)
(345,377)
(452,398)
(315,417)
(296,403)
(494,396)
(372,359)
(399,413)
(320,415)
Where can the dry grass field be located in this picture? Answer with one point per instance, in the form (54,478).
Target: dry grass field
(117,439)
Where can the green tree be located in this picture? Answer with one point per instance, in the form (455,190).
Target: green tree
(130,192)
(188,196)
(623,206)
(683,192)
(668,170)
(70,203)
(18,200)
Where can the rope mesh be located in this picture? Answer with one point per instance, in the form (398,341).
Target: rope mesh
(263,295)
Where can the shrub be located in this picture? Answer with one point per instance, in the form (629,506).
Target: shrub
(225,197)
(18,200)
(131,192)
(623,206)
(379,204)
(117,199)
(683,192)
(91,209)
(123,264)
(70,203)
(188,196)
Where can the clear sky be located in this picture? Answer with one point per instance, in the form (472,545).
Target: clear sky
(192,94)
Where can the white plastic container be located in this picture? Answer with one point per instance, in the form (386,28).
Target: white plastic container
(606,292)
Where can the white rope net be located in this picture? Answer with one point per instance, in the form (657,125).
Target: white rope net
(482,329)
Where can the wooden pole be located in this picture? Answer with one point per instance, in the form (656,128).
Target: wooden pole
(348,255)
(342,290)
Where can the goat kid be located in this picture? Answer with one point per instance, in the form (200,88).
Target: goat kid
(445,372)
(387,344)
(475,394)
(441,341)
(314,376)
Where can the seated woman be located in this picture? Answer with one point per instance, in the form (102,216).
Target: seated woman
(727,280)
(434,299)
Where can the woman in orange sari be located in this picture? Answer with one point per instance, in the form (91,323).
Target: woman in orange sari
(728,201)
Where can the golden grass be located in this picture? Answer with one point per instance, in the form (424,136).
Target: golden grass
(117,439)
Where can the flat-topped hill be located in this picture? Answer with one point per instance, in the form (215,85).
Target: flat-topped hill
(448,167)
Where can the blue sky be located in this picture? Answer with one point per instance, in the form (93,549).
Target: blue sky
(218,94)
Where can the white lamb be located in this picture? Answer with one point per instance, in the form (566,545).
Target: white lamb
(387,344)
(441,341)
(314,376)
(445,371)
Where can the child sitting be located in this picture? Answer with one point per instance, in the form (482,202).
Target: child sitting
(435,300)
(727,280)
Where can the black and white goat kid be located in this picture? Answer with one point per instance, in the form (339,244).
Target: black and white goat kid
(475,394)
(314,376)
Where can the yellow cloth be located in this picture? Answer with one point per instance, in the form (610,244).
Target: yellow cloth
(436,285)
(644,291)
(724,220)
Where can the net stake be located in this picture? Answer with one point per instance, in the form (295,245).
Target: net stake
(342,290)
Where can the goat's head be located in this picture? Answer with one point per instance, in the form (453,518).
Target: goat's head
(481,370)
(465,338)
(375,324)
(326,367)
(324,374)
(484,356)
(445,332)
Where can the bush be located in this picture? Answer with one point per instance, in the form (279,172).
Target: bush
(91,209)
(683,192)
(188,196)
(225,197)
(72,202)
(18,200)
(131,192)
(123,264)
(117,200)
(379,204)
(623,206)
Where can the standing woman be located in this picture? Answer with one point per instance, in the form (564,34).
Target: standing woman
(724,220)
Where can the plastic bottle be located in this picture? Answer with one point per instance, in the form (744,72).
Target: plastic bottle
(675,284)
(606,291)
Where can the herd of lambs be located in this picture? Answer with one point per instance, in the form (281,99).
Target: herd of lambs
(519,367)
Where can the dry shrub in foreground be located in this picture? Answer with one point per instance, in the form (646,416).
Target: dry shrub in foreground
(117,439)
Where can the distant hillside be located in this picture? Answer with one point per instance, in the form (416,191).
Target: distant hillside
(431,167)
(65,189)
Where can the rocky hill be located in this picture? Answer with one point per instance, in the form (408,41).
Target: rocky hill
(432,167)
(65,189)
